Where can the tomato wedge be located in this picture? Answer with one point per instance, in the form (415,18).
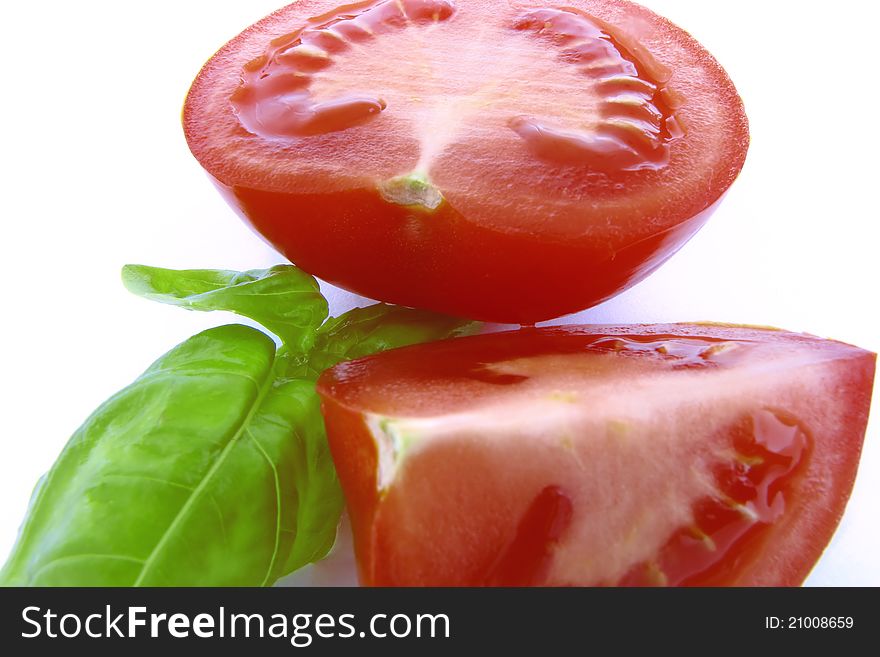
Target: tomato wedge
(677,455)
(503,161)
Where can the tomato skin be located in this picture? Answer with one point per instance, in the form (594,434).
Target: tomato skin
(518,237)
(377,250)
(447,515)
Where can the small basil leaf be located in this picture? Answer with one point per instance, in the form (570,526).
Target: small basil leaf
(204,471)
(284,299)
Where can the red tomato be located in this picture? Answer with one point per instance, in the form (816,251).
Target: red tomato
(485,159)
(599,455)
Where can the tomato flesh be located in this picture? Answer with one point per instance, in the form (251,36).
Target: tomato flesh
(525,560)
(771,453)
(502,162)
(678,455)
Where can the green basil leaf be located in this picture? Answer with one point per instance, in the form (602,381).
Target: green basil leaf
(204,471)
(309,529)
(284,299)
(213,467)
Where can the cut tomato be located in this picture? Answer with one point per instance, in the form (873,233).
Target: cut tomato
(599,455)
(503,161)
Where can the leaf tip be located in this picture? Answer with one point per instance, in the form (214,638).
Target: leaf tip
(136,278)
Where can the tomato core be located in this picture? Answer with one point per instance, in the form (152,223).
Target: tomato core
(343,69)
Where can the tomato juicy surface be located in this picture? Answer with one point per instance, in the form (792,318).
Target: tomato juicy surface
(503,161)
(679,455)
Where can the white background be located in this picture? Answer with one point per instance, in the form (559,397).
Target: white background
(96,173)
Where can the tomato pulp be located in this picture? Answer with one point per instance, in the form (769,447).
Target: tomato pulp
(503,161)
(599,455)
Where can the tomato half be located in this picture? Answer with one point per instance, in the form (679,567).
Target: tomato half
(599,455)
(503,161)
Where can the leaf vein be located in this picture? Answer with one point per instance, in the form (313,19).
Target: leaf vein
(75,557)
(224,454)
(277,505)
